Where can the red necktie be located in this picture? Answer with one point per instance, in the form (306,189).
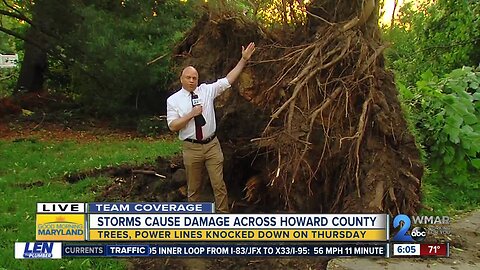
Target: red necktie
(199,132)
(198,127)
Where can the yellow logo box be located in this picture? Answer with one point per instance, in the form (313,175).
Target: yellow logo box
(60,227)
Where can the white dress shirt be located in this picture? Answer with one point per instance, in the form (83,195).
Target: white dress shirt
(180,104)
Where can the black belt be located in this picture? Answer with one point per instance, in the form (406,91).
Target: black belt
(207,140)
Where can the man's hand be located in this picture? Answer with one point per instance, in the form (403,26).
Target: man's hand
(247,53)
(197,110)
(182,122)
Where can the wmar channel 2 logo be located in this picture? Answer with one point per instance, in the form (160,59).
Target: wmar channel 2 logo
(417,234)
(38,250)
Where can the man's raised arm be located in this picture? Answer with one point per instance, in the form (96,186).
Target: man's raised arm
(246,54)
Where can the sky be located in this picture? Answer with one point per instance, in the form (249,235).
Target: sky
(388,9)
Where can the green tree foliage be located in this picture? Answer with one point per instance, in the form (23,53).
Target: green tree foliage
(7,42)
(8,22)
(438,36)
(113,43)
(101,52)
(446,111)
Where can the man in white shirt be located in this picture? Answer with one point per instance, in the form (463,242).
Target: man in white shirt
(191,112)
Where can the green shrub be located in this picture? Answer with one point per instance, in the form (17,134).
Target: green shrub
(152,126)
(8,80)
(446,113)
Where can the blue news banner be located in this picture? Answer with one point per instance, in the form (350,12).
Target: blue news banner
(224,250)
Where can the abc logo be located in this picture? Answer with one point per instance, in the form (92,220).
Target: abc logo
(403,222)
(418,234)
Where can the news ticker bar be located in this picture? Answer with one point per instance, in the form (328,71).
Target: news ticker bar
(57,250)
(423,249)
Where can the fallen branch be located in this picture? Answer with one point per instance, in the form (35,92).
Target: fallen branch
(147,172)
(156,59)
(41,121)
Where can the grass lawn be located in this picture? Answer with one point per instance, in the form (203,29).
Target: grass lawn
(44,164)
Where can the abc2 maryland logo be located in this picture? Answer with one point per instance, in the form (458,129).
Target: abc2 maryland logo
(419,232)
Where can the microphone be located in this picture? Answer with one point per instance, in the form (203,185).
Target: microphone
(199,119)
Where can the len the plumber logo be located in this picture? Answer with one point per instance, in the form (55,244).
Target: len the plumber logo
(38,250)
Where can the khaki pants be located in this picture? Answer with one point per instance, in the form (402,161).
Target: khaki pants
(195,157)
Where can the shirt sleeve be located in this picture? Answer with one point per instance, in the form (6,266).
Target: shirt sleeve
(219,87)
(172,112)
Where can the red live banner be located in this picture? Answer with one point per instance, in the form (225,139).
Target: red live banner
(439,250)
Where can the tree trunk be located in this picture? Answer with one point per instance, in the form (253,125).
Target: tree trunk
(36,46)
(51,20)
(34,66)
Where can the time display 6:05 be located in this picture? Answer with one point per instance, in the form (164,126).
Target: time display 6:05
(406,249)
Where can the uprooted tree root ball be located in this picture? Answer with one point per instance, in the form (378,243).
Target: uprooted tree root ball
(316,124)
(338,133)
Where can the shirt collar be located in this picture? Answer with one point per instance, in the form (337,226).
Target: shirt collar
(187,93)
